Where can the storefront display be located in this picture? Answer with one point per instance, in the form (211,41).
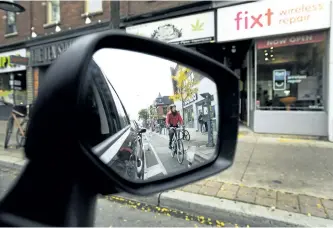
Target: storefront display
(12,82)
(291,66)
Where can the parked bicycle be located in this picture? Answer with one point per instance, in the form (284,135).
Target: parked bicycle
(18,116)
(186,135)
(177,146)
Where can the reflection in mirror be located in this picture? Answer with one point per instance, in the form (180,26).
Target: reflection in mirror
(153,117)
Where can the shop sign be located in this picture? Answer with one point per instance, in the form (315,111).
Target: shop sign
(291,40)
(192,29)
(19,60)
(279,79)
(46,54)
(266,18)
(5,61)
(295,79)
(191,99)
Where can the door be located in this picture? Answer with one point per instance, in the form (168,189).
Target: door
(251,87)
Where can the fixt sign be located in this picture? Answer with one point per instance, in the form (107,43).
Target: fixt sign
(267,18)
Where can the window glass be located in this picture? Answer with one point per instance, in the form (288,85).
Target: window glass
(93,6)
(53,11)
(122,114)
(11,23)
(290,73)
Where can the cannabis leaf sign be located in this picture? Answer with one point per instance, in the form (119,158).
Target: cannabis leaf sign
(198,26)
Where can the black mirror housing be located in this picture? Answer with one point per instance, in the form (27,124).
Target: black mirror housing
(59,100)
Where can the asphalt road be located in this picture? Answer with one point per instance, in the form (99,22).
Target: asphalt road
(113,214)
(158,160)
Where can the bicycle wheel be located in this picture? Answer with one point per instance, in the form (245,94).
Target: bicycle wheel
(9,131)
(180,152)
(187,135)
(173,147)
(20,139)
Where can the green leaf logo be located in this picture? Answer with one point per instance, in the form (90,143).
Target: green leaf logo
(198,26)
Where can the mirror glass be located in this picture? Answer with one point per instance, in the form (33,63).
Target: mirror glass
(151,117)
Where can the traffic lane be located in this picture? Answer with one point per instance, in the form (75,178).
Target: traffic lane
(153,164)
(161,146)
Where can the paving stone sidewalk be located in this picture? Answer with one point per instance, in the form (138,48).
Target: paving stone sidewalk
(308,205)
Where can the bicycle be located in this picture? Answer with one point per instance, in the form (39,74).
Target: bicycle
(18,112)
(186,134)
(177,145)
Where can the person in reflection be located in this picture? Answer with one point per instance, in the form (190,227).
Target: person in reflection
(173,119)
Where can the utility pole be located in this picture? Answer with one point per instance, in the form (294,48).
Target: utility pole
(115,14)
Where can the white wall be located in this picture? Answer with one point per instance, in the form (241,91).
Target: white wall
(330,86)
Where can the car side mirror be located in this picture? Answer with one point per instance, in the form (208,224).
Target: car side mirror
(104,78)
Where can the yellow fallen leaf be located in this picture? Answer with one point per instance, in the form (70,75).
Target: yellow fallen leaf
(309,214)
(318,205)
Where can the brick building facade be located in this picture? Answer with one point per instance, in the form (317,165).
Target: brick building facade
(73,14)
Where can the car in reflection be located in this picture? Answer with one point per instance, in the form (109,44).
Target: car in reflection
(130,158)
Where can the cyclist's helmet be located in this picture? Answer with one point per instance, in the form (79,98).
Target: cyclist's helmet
(172,106)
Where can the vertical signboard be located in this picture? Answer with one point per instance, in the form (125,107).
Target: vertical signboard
(279,79)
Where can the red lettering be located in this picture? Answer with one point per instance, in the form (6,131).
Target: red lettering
(256,20)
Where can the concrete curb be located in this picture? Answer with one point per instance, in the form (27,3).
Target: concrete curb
(11,165)
(222,209)
(228,210)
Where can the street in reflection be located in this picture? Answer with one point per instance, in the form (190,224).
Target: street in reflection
(156,117)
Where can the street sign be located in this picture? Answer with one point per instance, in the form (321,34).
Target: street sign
(18,60)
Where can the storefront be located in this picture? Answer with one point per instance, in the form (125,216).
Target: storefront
(287,67)
(12,82)
(204,97)
(42,56)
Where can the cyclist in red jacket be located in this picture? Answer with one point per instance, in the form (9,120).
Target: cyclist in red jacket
(173,118)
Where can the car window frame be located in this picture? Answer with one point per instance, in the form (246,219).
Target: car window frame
(110,109)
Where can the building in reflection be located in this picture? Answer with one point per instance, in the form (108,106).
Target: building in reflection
(192,105)
(159,109)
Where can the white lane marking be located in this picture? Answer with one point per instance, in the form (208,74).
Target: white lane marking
(145,165)
(153,171)
(157,158)
(113,150)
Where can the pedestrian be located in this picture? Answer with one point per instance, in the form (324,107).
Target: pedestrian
(200,121)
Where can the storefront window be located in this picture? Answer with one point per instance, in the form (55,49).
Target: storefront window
(290,72)
(189,117)
(53,14)
(13,87)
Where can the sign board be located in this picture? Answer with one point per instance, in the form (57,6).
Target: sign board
(192,29)
(284,41)
(18,60)
(46,54)
(191,99)
(5,61)
(279,79)
(266,18)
